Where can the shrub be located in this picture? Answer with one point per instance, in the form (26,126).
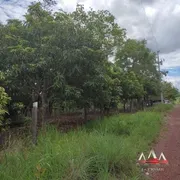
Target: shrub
(3,102)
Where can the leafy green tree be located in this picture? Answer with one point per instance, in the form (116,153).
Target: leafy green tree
(131,88)
(4,99)
(96,37)
(136,57)
(62,59)
(59,56)
(169,91)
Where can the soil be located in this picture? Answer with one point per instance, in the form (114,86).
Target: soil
(169,144)
(65,122)
(70,121)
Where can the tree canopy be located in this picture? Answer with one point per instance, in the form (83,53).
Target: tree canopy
(64,58)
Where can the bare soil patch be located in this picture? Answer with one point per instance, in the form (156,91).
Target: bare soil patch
(169,144)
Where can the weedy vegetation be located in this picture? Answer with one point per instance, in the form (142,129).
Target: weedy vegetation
(102,149)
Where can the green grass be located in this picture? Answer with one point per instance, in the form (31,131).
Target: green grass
(160,108)
(177,101)
(104,150)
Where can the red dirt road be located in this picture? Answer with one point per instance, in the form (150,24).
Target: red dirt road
(169,144)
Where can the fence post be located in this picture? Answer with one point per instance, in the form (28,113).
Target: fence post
(34,122)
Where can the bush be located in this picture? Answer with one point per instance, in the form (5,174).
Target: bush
(3,102)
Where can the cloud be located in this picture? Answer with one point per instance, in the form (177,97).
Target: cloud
(174,80)
(144,1)
(147,19)
(13,9)
(171,59)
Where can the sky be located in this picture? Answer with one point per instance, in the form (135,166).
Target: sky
(157,21)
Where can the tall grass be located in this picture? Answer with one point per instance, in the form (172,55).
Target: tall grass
(104,150)
(160,108)
(177,101)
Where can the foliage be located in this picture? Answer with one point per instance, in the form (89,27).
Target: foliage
(3,102)
(135,57)
(4,99)
(177,101)
(64,58)
(169,91)
(131,87)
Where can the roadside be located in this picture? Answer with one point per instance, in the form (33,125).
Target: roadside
(102,149)
(169,144)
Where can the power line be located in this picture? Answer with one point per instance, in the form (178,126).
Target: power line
(159,62)
(159,12)
(150,25)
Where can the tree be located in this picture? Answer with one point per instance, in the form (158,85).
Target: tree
(136,57)
(169,91)
(4,99)
(60,55)
(131,88)
(61,58)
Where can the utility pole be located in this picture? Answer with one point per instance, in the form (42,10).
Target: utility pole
(159,62)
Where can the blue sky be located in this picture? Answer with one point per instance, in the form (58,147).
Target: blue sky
(173,75)
(157,21)
(173,71)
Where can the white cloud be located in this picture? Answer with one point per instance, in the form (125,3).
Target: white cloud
(176,9)
(150,12)
(175,80)
(13,9)
(171,59)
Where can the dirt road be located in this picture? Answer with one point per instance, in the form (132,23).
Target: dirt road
(169,144)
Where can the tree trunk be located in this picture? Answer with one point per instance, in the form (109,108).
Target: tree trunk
(151,103)
(124,106)
(139,103)
(44,102)
(85,114)
(106,110)
(131,101)
(143,104)
(33,96)
(50,105)
(43,108)
(135,105)
(101,112)
(94,110)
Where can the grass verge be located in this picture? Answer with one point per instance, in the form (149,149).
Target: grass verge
(160,108)
(104,150)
